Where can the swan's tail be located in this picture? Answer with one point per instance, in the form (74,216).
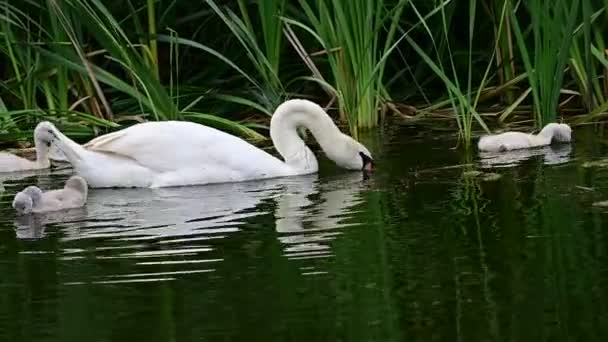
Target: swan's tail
(490,143)
(72,151)
(79,185)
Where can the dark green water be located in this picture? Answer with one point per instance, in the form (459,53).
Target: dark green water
(419,252)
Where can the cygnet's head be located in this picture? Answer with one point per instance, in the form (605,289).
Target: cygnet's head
(43,138)
(23,203)
(562,132)
(557,132)
(34,193)
(78,184)
(45,133)
(351,154)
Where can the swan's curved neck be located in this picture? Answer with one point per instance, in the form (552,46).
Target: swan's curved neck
(42,154)
(285,121)
(72,150)
(548,132)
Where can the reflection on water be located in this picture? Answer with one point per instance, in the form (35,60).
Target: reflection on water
(131,224)
(305,224)
(437,255)
(32,227)
(551,155)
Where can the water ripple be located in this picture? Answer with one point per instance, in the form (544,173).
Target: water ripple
(175,232)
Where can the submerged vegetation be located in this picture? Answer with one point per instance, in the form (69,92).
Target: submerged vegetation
(92,65)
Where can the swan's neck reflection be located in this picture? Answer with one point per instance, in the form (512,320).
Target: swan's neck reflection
(306,225)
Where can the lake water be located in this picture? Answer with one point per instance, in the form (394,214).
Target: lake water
(428,249)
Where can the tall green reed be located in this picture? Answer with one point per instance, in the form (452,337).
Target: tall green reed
(263,48)
(588,62)
(33,88)
(145,86)
(461,98)
(505,58)
(356,38)
(95,63)
(552,28)
(77,53)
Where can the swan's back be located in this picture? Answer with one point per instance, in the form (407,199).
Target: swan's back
(505,141)
(170,145)
(61,199)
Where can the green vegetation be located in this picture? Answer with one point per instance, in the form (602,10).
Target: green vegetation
(356,47)
(93,66)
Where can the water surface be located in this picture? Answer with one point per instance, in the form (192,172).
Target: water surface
(425,250)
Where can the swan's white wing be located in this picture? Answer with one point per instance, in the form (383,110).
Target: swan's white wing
(63,199)
(176,145)
(105,139)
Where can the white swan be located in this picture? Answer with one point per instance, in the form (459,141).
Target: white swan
(33,200)
(175,153)
(12,163)
(517,140)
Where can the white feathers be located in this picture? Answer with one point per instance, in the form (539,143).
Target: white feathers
(33,200)
(508,141)
(175,153)
(12,163)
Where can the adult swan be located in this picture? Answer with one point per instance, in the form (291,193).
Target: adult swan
(176,153)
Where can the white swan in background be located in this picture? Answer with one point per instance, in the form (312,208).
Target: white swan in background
(517,140)
(33,200)
(12,163)
(175,153)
